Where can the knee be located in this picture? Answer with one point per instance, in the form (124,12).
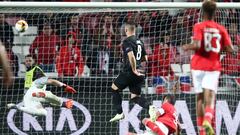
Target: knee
(48,93)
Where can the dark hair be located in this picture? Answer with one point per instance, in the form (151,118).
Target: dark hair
(29,55)
(209,7)
(32,56)
(171,98)
(48,24)
(131,25)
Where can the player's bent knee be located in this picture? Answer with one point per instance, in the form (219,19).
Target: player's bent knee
(48,93)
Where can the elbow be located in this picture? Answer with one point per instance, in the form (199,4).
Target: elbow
(230,49)
(146,58)
(49,81)
(196,46)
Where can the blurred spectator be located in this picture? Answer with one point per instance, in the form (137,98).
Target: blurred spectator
(164,53)
(70,61)
(233,32)
(104,49)
(160,22)
(44,48)
(40,19)
(88,23)
(6,31)
(231,67)
(231,63)
(75,26)
(180,30)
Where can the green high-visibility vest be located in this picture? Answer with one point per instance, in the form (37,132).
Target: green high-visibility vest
(29,77)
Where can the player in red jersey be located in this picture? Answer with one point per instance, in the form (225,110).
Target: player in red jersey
(164,121)
(209,39)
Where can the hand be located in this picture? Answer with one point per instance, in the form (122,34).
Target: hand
(184,47)
(179,129)
(69,89)
(136,72)
(145,121)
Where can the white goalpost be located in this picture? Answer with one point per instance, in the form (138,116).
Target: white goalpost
(80,45)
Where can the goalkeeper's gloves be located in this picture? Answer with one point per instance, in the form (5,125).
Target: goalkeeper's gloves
(69,89)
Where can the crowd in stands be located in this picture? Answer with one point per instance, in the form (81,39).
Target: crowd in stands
(70,43)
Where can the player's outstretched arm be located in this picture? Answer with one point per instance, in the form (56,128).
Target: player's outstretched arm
(193,46)
(60,84)
(7,73)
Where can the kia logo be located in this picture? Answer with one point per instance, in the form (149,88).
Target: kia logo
(65,116)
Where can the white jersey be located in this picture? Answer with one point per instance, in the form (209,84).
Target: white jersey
(40,83)
(37,86)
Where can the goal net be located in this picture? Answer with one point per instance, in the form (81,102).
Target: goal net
(80,45)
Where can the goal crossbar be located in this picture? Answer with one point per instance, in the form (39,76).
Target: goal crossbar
(113,4)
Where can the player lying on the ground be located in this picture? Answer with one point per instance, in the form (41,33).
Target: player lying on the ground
(162,121)
(37,94)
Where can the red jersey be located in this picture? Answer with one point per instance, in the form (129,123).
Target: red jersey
(169,118)
(69,59)
(161,60)
(46,46)
(214,38)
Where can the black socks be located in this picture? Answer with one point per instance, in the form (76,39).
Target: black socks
(117,101)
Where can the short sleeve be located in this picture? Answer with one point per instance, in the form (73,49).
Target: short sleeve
(127,47)
(41,82)
(161,111)
(226,38)
(197,33)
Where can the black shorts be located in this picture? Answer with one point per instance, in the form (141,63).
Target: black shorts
(130,80)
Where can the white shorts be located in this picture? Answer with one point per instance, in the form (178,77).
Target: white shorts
(30,101)
(205,80)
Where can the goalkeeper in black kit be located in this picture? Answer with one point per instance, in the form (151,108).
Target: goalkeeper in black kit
(133,54)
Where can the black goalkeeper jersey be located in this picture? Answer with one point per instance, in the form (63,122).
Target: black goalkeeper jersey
(134,44)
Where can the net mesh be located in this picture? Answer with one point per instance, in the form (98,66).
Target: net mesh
(94,60)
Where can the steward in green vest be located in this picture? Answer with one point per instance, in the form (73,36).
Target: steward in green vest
(33,72)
